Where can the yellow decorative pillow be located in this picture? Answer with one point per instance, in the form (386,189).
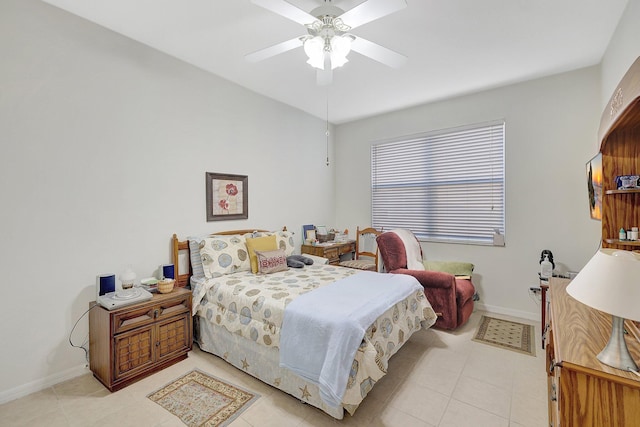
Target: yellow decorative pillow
(266,243)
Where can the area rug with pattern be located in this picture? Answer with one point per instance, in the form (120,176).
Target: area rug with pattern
(199,399)
(506,334)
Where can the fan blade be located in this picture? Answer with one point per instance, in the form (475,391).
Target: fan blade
(324,77)
(286,9)
(378,53)
(274,50)
(370,11)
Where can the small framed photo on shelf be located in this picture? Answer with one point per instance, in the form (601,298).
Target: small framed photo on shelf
(305,232)
(627,182)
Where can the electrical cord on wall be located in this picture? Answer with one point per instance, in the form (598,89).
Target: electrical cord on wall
(82,346)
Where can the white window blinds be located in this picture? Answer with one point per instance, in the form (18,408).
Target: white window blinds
(445,186)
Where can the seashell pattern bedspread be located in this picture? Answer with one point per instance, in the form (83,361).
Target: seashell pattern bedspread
(252,306)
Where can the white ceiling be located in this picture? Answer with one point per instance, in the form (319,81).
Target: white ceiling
(454,46)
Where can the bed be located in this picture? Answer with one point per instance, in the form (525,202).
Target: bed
(247,318)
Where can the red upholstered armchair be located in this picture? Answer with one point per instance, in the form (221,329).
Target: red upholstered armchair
(451,297)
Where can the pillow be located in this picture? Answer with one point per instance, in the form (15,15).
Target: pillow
(256,234)
(317,259)
(271,261)
(194,255)
(224,255)
(458,269)
(284,240)
(265,243)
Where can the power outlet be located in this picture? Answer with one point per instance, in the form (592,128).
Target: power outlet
(535,293)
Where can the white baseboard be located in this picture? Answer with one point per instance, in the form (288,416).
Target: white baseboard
(41,384)
(507,311)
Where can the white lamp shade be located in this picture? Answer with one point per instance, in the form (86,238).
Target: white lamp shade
(314,48)
(128,275)
(610,282)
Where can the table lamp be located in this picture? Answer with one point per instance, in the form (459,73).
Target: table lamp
(610,282)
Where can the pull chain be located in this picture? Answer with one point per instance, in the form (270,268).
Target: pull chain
(327,130)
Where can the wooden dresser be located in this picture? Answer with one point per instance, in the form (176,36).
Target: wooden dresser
(582,391)
(332,251)
(131,342)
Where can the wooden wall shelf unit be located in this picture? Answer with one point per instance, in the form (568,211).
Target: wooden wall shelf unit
(132,342)
(582,391)
(619,135)
(632,191)
(618,242)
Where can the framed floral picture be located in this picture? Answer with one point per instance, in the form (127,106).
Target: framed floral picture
(227,196)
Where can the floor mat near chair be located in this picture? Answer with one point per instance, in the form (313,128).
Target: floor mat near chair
(199,399)
(506,334)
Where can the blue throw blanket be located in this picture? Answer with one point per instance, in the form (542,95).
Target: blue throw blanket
(322,330)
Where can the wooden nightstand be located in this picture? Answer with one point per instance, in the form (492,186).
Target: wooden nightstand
(132,342)
(332,252)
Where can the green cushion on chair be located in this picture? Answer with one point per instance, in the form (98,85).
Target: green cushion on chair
(458,269)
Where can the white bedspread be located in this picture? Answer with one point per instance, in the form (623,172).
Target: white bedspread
(322,330)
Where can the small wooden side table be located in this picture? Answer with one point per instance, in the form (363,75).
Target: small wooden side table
(331,251)
(132,342)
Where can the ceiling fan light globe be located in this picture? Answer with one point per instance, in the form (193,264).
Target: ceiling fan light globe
(337,60)
(341,45)
(314,48)
(340,48)
(316,63)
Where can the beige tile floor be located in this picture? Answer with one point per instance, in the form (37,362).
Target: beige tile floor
(439,378)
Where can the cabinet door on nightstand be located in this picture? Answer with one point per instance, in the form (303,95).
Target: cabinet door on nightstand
(133,351)
(174,336)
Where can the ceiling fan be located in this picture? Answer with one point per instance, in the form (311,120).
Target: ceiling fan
(328,41)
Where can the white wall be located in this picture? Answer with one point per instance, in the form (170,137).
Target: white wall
(551,132)
(623,50)
(105,145)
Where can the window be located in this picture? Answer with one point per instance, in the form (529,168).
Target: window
(445,186)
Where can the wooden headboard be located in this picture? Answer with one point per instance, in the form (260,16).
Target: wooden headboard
(182,280)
